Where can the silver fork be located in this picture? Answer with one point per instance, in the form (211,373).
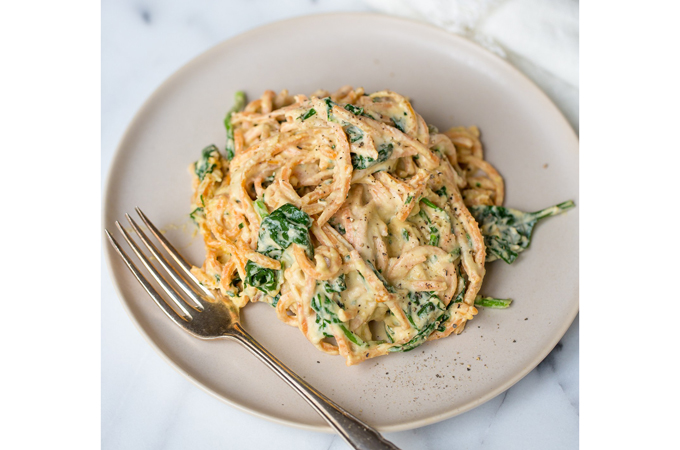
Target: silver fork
(214,316)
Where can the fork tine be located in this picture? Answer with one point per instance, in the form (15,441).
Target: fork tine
(172,314)
(181,282)
(177,302)
(183,264)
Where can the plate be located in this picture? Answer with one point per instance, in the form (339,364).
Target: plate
(451,81)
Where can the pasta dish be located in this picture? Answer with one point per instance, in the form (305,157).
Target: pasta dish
(353,218)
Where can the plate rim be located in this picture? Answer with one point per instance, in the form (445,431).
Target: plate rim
(158,91)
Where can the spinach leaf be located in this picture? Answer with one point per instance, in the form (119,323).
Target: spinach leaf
(278,230)
(405,234)
(357,111)
(329,105)
(196,214)
(266,280)
(363,162)
(203,166)
(239,104)
(339,228)
(336,285)
(421,337)
(261,208)
(325,313)
(490,302)
(326,316)
(389,332)
(434,232)
(293,214)
(309,114)
(422,303)
(441,192)
(426,313)
(507,232)
(399,124)
(417,340)
(353,133)
(459,298)
(388,286)
(283,227)
(351,336)
(430,204)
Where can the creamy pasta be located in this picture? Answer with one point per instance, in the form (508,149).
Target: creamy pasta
(349,215)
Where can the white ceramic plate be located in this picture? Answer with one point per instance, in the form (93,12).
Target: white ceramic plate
(451,82)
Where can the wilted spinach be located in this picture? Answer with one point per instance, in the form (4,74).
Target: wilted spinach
(327,315)
(434,232)
(363,162)
(490,302)
(336,285)
(239,104)
(507,232)
(399,124)
(354,133)
(309,114)
(203,166)
(425,312)
(283,227)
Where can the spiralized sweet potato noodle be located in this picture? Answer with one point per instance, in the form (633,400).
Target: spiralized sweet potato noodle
(387,196)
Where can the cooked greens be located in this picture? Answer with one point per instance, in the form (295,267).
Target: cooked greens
(266,280)
(239,104)
(421,304)
(399,123)
(307,115)
(357,111)
(329,106)
(507,232)
(363,162)
(387,285)
(196,214)
(327,314)
(339,227)
(203,166)
(490,302)
(354,133)
(431,205)
(283,227)
(336,285)
(426,312)
(260,207)
(434,232)
(278,230)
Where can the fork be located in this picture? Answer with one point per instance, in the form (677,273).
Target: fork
(211,315)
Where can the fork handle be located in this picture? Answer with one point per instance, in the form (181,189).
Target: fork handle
(356,433)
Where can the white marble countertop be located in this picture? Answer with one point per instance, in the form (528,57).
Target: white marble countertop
(145,403)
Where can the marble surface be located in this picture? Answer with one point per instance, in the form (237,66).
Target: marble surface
(145,403)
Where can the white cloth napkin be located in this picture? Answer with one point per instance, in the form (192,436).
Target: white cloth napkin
(539,37)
